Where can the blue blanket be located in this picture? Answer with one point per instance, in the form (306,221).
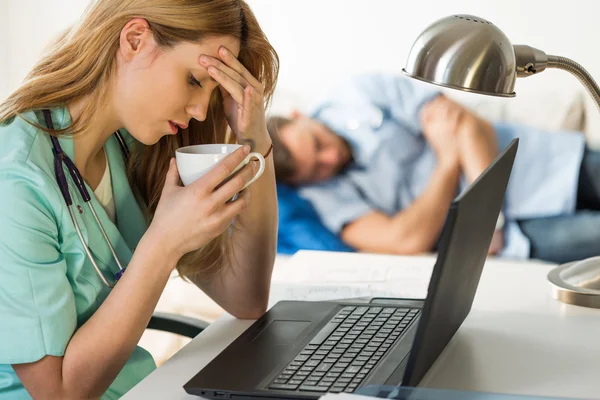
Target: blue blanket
(300,227)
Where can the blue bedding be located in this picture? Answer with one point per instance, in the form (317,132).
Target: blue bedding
(300,227)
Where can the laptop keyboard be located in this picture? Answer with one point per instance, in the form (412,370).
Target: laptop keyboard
(345,351)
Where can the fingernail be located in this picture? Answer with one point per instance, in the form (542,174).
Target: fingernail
(247,149)
(223,51)
(203,59)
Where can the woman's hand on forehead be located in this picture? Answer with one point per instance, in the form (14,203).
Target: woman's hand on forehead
(231,75)
(243,96)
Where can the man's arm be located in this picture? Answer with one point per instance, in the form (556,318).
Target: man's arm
(477,145)
(478,148)
(413,230)
(476,142)
(416,229)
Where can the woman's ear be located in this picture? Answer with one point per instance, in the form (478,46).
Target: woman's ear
(135,37)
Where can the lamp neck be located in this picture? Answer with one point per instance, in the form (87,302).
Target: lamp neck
(579,72)
(531,61)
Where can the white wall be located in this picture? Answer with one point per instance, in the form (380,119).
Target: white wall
(322,41)
(28,27)
(4,81)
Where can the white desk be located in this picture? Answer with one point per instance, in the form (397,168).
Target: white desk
(517,339)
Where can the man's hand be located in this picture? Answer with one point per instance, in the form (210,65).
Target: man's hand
(497,243)
(441,119)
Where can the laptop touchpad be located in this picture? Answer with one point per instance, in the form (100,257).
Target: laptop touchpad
(281,332)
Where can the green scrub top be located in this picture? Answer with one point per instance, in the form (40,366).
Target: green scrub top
(48,287)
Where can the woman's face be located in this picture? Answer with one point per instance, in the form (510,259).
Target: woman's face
(160,90)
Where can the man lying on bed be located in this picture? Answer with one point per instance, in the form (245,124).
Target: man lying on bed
(381,159)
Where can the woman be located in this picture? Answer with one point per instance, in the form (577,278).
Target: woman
(165,74)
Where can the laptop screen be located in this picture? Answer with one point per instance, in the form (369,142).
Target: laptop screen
(464,244)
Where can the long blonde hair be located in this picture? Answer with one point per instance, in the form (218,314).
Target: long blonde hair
(82,62)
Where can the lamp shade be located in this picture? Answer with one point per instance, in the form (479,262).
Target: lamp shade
(467,53)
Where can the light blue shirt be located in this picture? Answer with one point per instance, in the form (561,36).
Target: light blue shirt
(379,116)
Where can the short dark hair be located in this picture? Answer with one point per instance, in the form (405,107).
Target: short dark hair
(285,165)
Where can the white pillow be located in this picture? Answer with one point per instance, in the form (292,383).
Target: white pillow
(542,108)
(547,108)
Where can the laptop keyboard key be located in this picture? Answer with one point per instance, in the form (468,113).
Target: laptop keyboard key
(311,388)
(323,333)
(283,387)
(353,369)
(324,367)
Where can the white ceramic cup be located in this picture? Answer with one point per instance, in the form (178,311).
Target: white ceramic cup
(195,161)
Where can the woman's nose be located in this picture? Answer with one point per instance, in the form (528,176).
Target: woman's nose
(198,107)
(197,111)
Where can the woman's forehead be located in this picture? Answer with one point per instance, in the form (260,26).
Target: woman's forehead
(211,45)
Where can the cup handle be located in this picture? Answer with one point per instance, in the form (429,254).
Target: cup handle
(261,169)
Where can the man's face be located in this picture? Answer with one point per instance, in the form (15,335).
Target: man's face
(319,153)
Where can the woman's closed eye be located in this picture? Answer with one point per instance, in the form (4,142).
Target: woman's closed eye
(193,81)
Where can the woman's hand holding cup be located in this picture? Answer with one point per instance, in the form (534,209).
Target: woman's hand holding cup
(189,217)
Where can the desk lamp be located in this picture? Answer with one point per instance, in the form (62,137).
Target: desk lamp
(471,54)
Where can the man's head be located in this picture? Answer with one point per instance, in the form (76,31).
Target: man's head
(306,151)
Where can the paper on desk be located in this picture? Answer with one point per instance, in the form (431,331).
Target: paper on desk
(323,267)
(321,292)
(309,273)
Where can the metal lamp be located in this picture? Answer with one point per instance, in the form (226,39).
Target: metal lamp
(471,54)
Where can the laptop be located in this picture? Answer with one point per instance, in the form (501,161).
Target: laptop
(304,349)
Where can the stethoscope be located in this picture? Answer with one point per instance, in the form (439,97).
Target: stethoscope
(61,158)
